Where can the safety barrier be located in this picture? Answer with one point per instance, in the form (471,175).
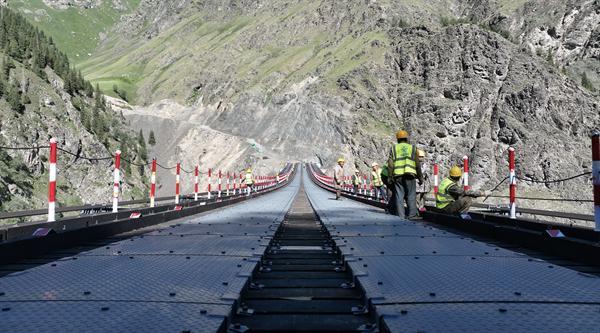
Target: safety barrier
(261,182)
(510,209)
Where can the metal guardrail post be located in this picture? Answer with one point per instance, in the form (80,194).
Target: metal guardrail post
(52,182)
(512,183)
(466,173)
(117,180)
(153,183)
(596,176)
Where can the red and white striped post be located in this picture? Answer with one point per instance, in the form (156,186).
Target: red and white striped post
(234,183)
(596,175)
(153,183)
(512,183)
(436,179)
(364,184)
(466,173)
(196,180)
(209,176)
(52,182)
(220,182)
(177,180)
(228,182)
(117,181)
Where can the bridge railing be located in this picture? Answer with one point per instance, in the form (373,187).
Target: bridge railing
(367,195)
(224,185)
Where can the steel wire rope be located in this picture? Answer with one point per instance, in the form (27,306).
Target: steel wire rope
(552,181)
(25,148)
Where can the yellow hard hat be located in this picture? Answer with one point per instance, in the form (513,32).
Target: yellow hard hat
(249,170)
(341,159)
(420,153)
(455,172)
(402,134)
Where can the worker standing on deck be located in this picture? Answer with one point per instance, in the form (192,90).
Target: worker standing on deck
(452,198)
(405,170)
(249,181)
(425,186)
(380,191)
(356,181)
(338,177)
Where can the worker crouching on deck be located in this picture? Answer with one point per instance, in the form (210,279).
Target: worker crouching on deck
(338,178)
(405,170)
(452,198)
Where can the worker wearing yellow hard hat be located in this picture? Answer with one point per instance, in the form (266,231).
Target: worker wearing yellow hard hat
(377,181)
(405,171)
(338,177)
(452,198)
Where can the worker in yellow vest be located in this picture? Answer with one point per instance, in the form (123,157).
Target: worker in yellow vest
(452,198)
(249,180)
(405,171)
(380,191)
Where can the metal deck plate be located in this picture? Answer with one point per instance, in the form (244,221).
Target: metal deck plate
(105,316)
(492,317)
(248,228)
(391,246)
(143,278)
(241,246)
(387,229)
(462,279)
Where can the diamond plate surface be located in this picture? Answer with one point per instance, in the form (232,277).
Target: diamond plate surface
(390,246)
(243,246)
(84,316)
(399,228)
(143,278)
(460,279)
(492,317)
(250,228)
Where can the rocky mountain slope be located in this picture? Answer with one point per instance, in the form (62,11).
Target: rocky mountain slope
(313,80)
(41,98)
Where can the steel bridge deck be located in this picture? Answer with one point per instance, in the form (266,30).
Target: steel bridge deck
(181,277)
(187,277)
(424,279)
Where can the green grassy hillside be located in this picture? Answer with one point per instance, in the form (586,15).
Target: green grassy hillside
(75,30)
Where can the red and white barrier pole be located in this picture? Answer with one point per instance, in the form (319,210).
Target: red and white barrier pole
(596,175)
(153,183)
(436,179)
(52,182)
(177,180)
(220,182)
(117,180)
(466,173)
(234,183)
(228,182)
(196,180)
(209,175)
(512,183)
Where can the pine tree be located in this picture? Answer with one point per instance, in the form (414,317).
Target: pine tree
(142,143)
(14,100)
(151,139)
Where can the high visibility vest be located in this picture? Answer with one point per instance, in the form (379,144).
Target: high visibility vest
(404,159)
(443,198)
(385,174)
(356,180)
(376,176)
(249,180)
